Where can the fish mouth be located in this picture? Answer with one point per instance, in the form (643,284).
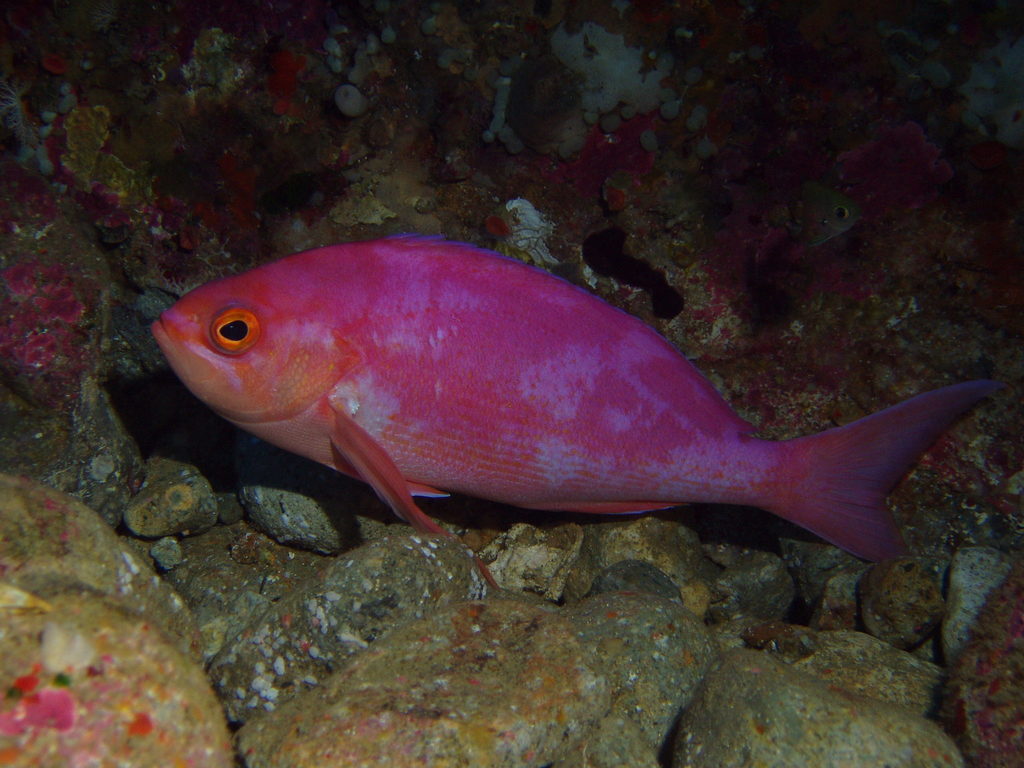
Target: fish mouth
(163,339)
(175,345)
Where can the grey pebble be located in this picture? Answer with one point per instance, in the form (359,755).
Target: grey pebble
(166,553)
(754,584)
(293,500)
(634,576)
(974,572)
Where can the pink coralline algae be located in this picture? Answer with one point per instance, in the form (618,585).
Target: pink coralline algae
(41,343)
(49,708)
(899,169)
(602,155)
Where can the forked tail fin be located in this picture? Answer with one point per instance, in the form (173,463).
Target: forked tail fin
(849,470)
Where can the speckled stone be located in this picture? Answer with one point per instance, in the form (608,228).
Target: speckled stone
(102,460)
(901,600)
(973,574)
(615,742)
(232,573)
(501,683)
(865,665)
(653,652)
(49,540)
(352,603)
(175,499)
(533,559)
(635,576)
(91,685)
(664,542)
(754,710)
(293,500)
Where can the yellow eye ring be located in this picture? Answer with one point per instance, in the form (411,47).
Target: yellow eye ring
(234,330)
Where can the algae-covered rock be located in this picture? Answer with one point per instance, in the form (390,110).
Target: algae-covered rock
(50,541)
(754,710)
(476,684)
(90,684)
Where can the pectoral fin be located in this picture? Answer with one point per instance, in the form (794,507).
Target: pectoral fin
(357,448)
(373,465)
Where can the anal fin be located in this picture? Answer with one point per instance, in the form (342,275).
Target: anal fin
(602,507)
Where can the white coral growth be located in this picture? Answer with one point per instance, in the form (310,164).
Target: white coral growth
(530,230)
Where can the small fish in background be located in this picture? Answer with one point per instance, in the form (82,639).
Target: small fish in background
(422,366)
(825,213)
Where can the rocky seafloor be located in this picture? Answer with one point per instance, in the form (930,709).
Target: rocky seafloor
(174,593)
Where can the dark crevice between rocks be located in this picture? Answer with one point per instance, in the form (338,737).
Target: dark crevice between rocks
(603,252)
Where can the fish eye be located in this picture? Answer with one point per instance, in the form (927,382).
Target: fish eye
(234,330)
(840,212)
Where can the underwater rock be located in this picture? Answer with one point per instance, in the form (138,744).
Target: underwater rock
(788,642)
(754,710)
(166,553)
(984,702)
(79,446)
(231,573)
(50,542)
(337,613)
(54,294)
(528,558)
(89,684)
(101,464)
(900,168)
(653,653)
(634,576)
(901,600)
(755,584)
(614,742)
(837,607)
(500,683)
(995,96)
(867,666)
(544,107)
(350,100)
(973,574)
(174,499)
(813,564)
(668,545)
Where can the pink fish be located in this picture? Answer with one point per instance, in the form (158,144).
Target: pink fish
(423,366)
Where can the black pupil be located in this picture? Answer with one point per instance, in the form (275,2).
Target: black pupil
(840,213)
(236,330)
